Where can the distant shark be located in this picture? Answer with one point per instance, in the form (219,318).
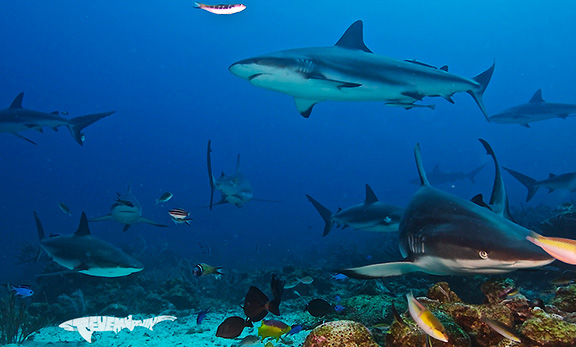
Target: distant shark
(349,71)
(565,181)
(127,210)
(235,188)
(372,215)
(442,234)
(535,110)
(437,176)
(15,119)
(84,253)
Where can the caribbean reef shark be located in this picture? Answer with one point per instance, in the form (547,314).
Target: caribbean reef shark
(15,119)
(535,110)
(127,210)
(437,176)
(442,234)
(565,181)
(84,253)
(349,71)
(235,188)
(372,215)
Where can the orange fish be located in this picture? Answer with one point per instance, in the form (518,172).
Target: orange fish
(560,248)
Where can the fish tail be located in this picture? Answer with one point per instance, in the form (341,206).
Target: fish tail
(76,125)
(197,5)
(530,183)
(325,213)
(273,306)
(482,79)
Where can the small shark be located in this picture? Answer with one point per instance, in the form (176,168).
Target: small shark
(442,234)
(565,181)
(437,176)
(15,118)
(535,110)
(372,215)
(235,188)
(127,210)
(84,253)
(349,71)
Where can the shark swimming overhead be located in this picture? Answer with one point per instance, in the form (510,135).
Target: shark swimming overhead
(371,215)
(442,234)
(16,118)
(84,253)
(535,110)
(349,71)
(127,210)
(566,181)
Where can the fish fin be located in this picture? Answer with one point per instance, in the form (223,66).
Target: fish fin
(99,219)
(413,95)
(421,172)
(482,79)
(126,227)
(305,106)
(530,183)
(83,229)
(353,38)
(76,125)
(23,138)
(444,68)
(449,99)
(39,226)
(17,103)
(370,196)
(337,83)
(381,270)
(148,221)
(537,97)
(479,200)
(197,5)
(325,213)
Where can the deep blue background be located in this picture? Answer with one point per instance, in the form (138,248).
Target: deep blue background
(162,65)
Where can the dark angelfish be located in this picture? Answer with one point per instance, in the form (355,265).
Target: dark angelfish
(257,304)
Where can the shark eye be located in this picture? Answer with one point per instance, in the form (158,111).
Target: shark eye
(483,254)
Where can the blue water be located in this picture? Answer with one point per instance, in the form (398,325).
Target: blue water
(162,66)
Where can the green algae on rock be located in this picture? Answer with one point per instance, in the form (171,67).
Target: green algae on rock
(548,330)
(565,298)
(342,333)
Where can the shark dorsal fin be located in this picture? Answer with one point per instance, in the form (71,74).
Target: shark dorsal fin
(17,103)
(353,38)
(444,68)
(370,196)
(238,163)
(537,98)
(83,229)
(551,175)
(421,172)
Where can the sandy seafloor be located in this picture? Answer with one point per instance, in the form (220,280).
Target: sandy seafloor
(182,332)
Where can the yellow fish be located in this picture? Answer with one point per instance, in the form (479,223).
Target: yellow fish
(425,319)
(272,329)
(560,248)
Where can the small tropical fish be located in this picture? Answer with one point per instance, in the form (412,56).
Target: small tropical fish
(205,270)
(64,208)
(513,292)
(560,248)
(381,326)
(337,298)
(180,216)
(563,281)
(222,8)
(295,329)
(339,309)
(291,283)
(425,319)
(339,277)
(232,327)
(164,198)
(501,329)
(256,303)
(306,280)
(201,315)
(249,340)
(22,291)
(272,329)
(319,308)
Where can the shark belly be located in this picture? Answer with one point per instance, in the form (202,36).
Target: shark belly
(125,215)
(446,266)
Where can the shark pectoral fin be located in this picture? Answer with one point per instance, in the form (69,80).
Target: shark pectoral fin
(335,83)
(381,270)
(106,217)
(305,106)
(148,221)
(25,139)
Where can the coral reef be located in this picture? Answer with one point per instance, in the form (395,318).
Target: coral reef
(342,333)
(18,320)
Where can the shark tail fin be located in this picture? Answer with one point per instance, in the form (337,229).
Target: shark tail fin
(421,172)
(482,79)
(209,161)
(381,270)
(76,125)
(530,183)
(325,213)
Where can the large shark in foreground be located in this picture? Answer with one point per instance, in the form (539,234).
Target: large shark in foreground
(84,253)
(535,110)
(372,215)
(349,71)
(127,210)
(441,234)
(566,181)
(15,119)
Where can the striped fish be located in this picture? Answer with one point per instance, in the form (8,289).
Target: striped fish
(560,248)
(426,319)
(222,8)
(180,216)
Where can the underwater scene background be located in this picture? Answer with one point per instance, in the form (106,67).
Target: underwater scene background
(163,67)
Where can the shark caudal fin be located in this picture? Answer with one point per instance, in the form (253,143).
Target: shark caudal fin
(498,200)
(325,213)
(421,172)
(482,79)
(381,270)
(530,183)
(76,125)
(209,161)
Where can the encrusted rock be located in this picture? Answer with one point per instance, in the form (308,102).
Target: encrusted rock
(342,333)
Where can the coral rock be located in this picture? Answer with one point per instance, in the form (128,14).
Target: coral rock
(546,330)
(565,298)
(342,333)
